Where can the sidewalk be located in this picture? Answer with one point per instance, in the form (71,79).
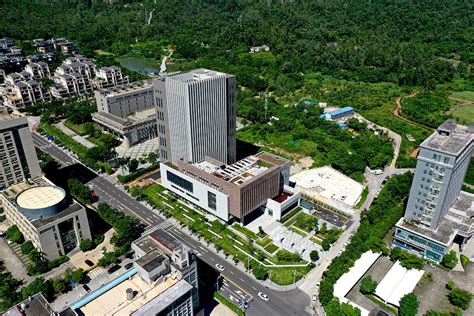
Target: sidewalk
(81,140)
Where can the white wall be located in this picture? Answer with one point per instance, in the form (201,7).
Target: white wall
(199,194)
(279,208)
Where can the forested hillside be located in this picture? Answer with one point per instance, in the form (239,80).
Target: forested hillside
(400,41)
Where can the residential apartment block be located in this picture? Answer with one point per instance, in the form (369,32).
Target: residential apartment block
(196,115)
(54,223)
(109,77)
(127,111)
(25,87)
(74,78)
(438,212)
(17,152)
(55,45)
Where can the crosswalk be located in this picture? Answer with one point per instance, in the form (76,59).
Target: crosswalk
(95,272)
(164,225)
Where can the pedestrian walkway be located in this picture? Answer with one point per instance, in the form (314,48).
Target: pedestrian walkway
(95,272)
(164,225)
(23,258)
(78,138)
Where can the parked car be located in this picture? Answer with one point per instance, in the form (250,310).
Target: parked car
(9,242)
(314,298)
(263,296)
(220,267)
(2,233)
(128,266)
(89,263)
(112,269)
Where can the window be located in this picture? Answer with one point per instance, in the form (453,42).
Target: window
(211,200)
(446,160)
(182,183)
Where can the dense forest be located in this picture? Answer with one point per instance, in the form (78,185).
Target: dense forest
(359,53)
(406,42)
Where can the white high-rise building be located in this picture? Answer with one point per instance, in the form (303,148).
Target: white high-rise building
(196,113)
(440,170)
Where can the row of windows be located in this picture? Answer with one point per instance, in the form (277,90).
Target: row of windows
(182,183)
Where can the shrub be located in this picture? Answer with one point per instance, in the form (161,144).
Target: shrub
(460,298)
(260,272)
(314,255)
(86,245)
(408,305)
(99,239)
(464,260)
(285,255)
(450,260)
(451,285)
(27,247)
(368,285)
(326,245)
(14,234)
(407,260)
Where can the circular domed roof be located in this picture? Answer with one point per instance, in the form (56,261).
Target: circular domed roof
(40,197)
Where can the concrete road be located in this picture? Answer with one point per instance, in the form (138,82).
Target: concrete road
(286,303)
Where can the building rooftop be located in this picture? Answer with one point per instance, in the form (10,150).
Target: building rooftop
(36,305)
(242,170)
(341,111)
(196,75)
(152,260)
(458,220)
(159,303)
(40,197)
(165,241)
(127,88)
(450,138)
(115,302)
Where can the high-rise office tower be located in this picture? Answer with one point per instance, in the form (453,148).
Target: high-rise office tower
(196,113)
(18,160)
(440,170)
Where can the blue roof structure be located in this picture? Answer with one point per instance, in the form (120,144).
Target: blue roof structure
(341,111)
(342,125)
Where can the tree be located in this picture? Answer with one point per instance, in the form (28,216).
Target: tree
(314,255)
(460,298)
(38,285)
(450,259)
(14,234)
(133,165)
(326,244)
(86,245)
(27,247)
(260,272)
(79,191)
(59,286)
(368,285)
(135,191)
(408,305)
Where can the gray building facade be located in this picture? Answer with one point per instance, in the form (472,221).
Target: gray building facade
(17,152)
(196,115)
(440,170)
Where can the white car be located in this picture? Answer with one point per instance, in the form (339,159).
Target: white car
(314,297)
(220,267)
(263,296)
(9,242)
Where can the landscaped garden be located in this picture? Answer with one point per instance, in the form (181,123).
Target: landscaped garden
(246,248)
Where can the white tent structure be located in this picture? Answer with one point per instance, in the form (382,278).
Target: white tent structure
(349,279)
(398,282)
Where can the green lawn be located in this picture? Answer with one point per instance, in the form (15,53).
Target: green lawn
(363,197)
(290,214)
(271,248)
(228,240)
(77,128)
(62,139)
(264,242)
(463,95)
(465,114)
(245,231)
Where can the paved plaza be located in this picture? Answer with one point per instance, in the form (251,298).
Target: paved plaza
(288,239)
(139,150)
